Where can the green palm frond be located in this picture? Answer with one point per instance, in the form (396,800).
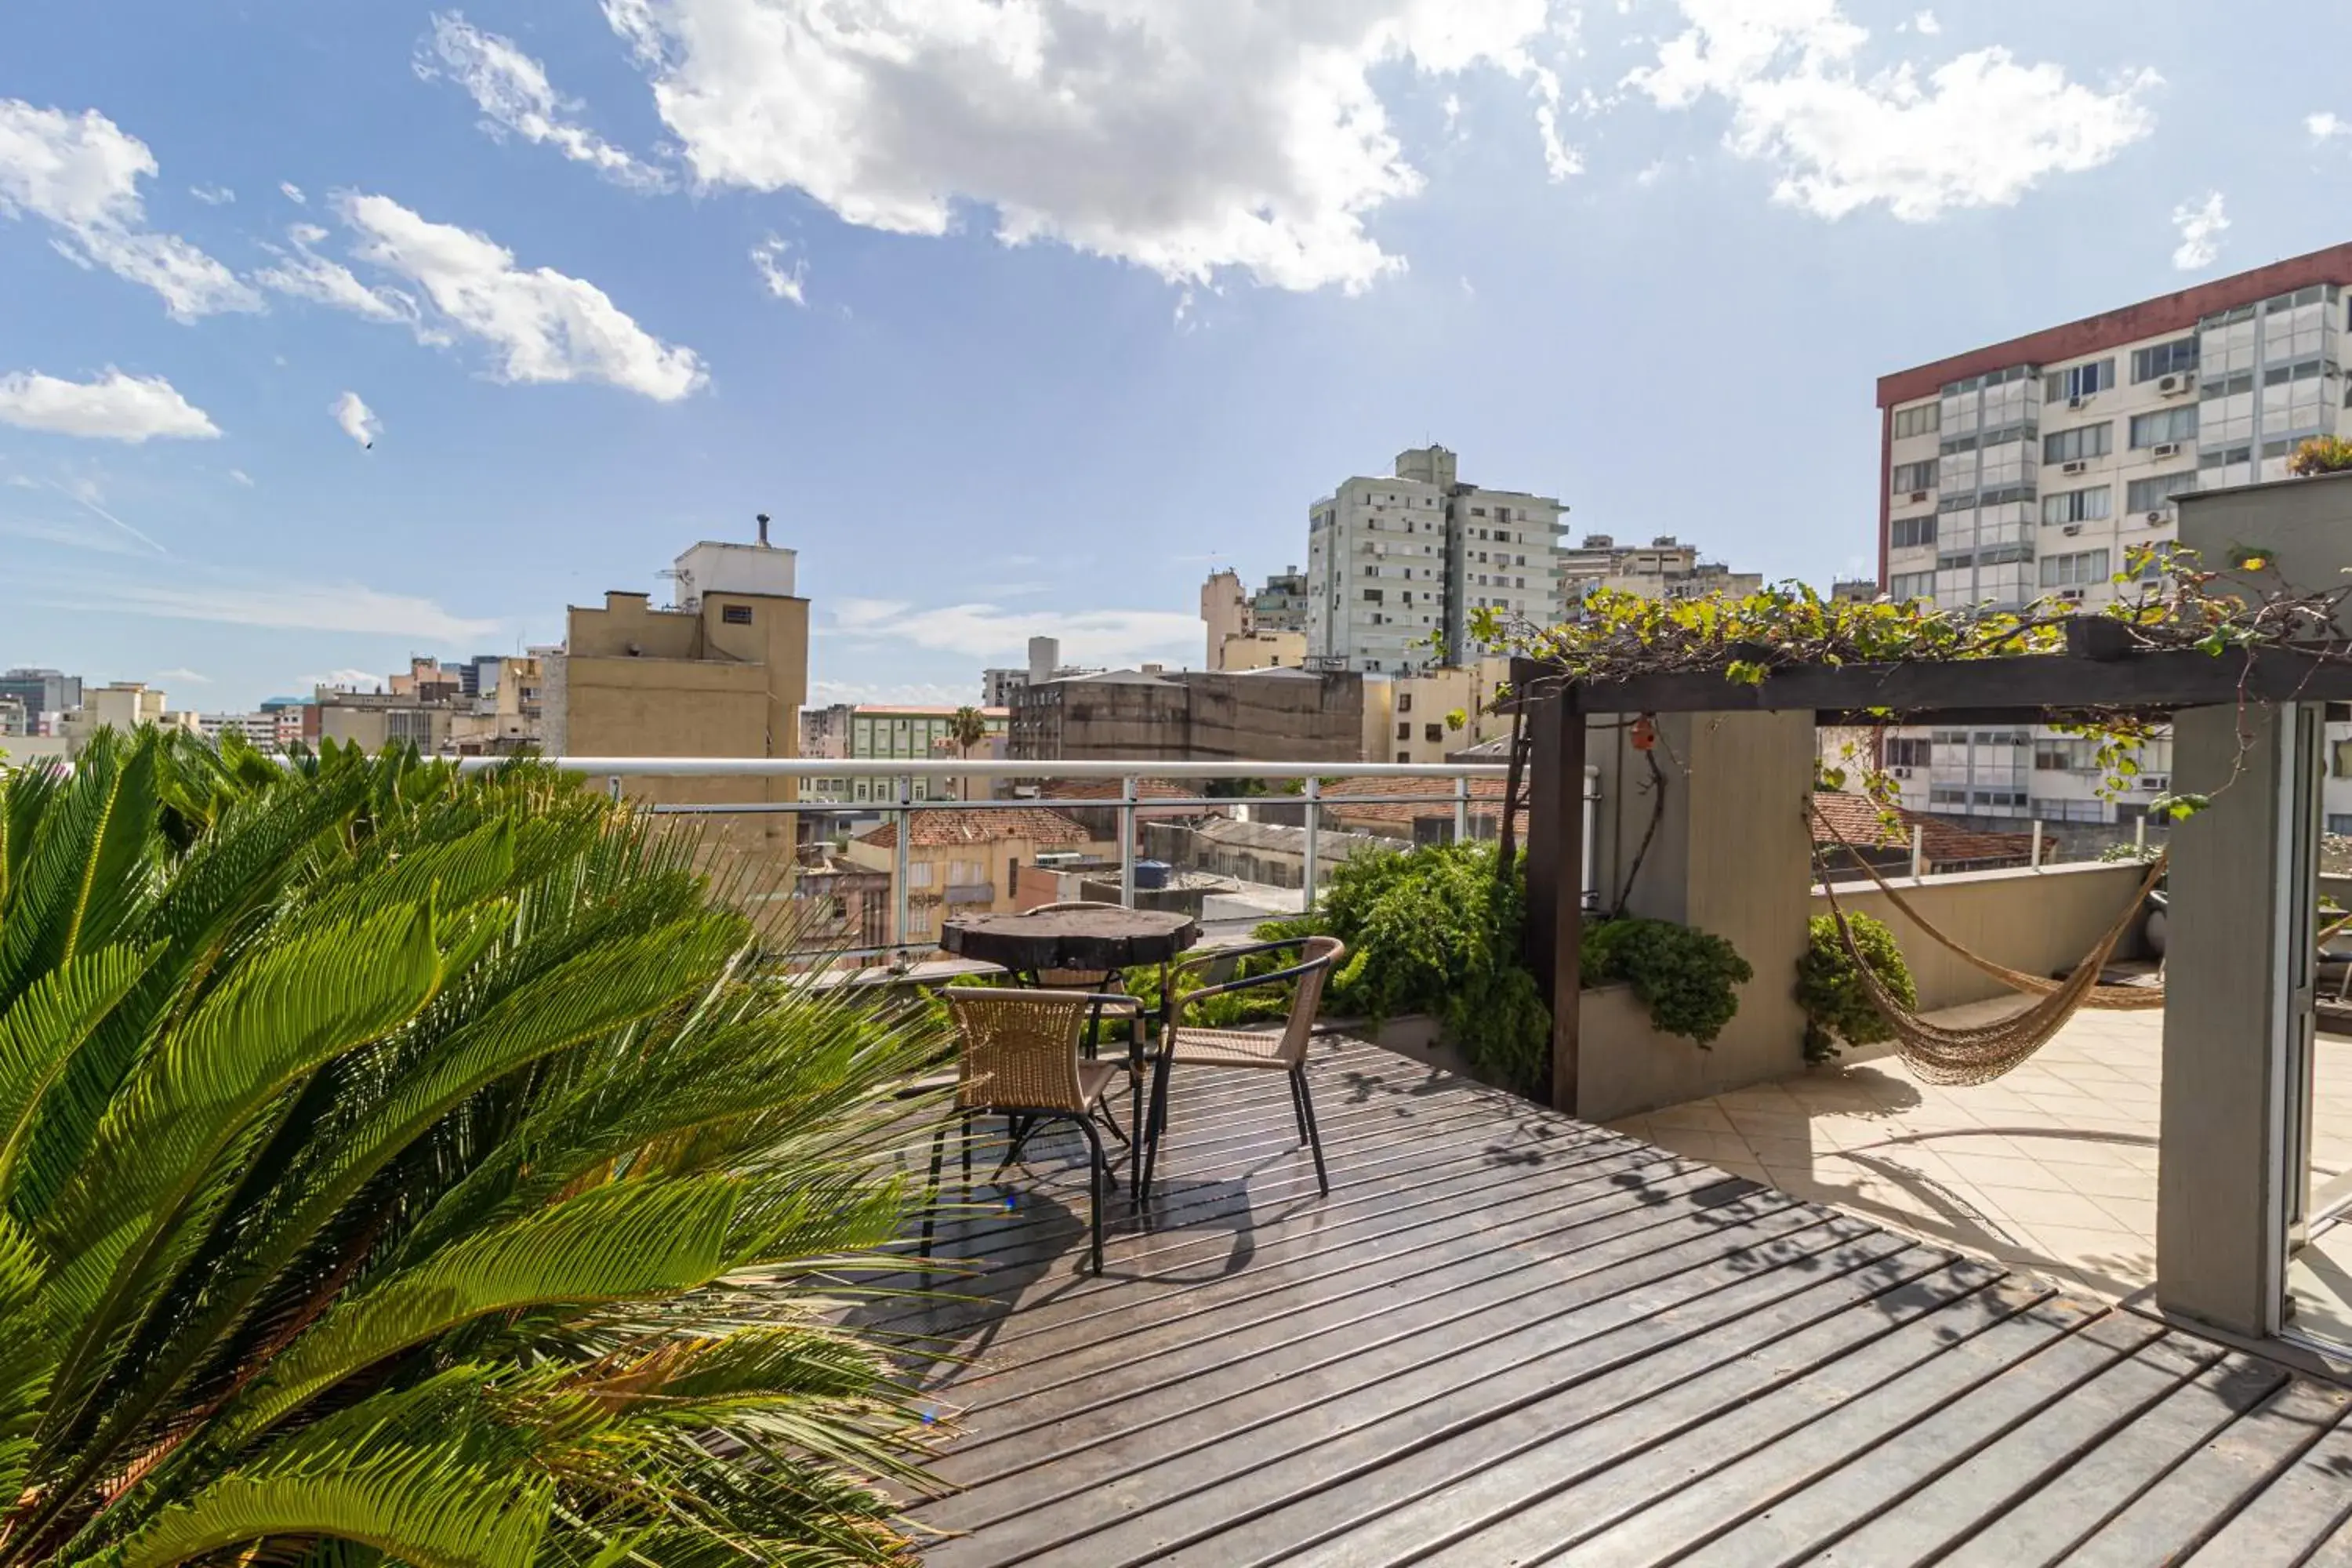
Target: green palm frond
(47,1025)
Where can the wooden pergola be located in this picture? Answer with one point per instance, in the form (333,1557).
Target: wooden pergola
(2097,676)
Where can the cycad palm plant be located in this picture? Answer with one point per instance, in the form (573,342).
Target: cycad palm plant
(398,1167)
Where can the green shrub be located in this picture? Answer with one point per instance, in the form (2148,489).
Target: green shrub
(404,1167)
(1690,978)
(1434,930)
(1830,989)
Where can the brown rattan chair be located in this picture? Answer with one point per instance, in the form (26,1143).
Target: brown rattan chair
(1248,1050)
(1017,1056)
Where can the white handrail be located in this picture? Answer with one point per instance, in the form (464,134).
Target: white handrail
(909,767)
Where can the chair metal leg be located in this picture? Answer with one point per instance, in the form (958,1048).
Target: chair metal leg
(968,1121)
(931,1206)
(1314,1134)
(1297,1106)
(1016,1136)
(1098,1166)
(1155,1127)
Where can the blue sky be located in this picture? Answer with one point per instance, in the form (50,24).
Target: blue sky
(1019,315)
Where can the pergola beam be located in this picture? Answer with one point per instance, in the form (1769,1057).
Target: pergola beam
(2008,689)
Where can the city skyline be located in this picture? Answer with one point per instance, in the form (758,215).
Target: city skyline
(400,332)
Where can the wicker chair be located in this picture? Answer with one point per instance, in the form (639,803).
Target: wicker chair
(1249,1049)
(1017,1056)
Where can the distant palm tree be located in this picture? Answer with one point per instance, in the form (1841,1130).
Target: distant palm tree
(967,729)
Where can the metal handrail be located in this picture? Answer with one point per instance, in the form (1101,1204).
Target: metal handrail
(1130,804)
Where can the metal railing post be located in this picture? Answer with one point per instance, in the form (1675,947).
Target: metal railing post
(1313,843)
(1461,808)
(2139,833)
(1127,795)
(1918,850)
(2034,860)
(906,820)
(612,788)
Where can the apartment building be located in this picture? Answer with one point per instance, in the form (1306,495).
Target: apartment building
(2034,468)
(872,730)
(1153,714)
(998,685)
(1411,717)
(1395,565)
(962,861)
(1665,568)
(46,696)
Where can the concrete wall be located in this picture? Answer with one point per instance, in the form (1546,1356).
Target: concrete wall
(1731,855)
(1192,717)
(2039,921)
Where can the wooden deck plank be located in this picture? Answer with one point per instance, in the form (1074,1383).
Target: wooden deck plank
(1506,1337)
(1697,1364)
(1231,1408)
(2311,1496)
(2077,1503)
(2013,1466)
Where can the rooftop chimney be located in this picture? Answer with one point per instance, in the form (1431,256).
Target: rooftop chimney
(763,530)
(1045,657)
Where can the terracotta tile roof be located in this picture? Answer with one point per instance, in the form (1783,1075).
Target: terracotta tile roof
(1858,821)
(940,830)
(1110,789)
(1435,797)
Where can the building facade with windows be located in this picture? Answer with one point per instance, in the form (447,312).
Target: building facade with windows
(872,730)
(2045,467)
(1397,565)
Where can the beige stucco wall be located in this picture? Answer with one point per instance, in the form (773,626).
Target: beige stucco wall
(2039,921)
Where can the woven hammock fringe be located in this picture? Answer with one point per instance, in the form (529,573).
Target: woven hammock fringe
(1968,1056)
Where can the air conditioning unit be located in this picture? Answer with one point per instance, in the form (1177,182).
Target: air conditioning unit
(1918,495)
(1900,773)
(2155,783)
(2072,528)
(2165,450)
(2074,467)
(2070,596)
(2174,386)
(2155,518)
(2074,403)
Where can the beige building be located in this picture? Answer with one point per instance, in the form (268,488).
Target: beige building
(1261,650)
(964,861)
(509,717)
(1665,568)
(1155,715)
(723,672)
(1407,717)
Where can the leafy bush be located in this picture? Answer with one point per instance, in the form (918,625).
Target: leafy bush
(1690,978)
(1431,930)
(1830,989)
(382,1154)
(2321,455)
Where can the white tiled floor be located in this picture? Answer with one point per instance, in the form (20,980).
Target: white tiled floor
(2051,1167)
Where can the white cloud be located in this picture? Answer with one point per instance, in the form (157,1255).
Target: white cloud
(183,678)
(2201,227)
(114,407)
(241,476)
(81,174)
(2327,125)
(348,676)
(293,193)
(921,693)
(1925,21)
(513,93)
(278,605)
(541,324)
(213,196)
(305,274)
(1979,130)
(994,634)
(357,419)
(1186,137)
(784,283)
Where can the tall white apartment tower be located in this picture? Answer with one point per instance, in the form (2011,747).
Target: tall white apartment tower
(1395,565)
(2031,469)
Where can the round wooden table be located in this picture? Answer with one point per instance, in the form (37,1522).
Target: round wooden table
(1091,939)
(1094,940)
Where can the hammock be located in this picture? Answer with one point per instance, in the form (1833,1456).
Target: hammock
(2113,998)
(1940,1054)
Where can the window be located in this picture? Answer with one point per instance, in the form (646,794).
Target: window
(1915,477)
(2338,824)
(1909,752)
(736,615)
(2156,494)
(1404,702)
(2067,756)
(2078,380)
(1405,756)
(2079,506)
(2079,445)
(1432,733)
(1373,596)
(1909,532)
(1919,421)
(2166,426)
(1404,731)
(2165,359)
(1906,585)
(2340,754)
(2077,571)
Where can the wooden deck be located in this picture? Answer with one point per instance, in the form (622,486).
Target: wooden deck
(1508,1337)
